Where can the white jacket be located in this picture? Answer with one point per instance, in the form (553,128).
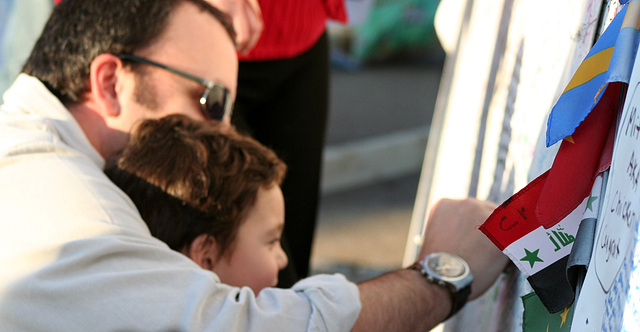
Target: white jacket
(76,256)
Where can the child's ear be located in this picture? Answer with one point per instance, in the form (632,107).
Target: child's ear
(204,251)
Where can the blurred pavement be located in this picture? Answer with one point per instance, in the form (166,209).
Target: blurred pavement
(377,133)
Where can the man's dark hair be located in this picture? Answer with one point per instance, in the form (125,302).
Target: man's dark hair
(79,30)
(189,177)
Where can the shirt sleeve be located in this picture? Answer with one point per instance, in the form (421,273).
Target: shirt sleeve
(322,303)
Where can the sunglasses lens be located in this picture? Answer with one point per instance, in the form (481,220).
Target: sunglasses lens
(215,103)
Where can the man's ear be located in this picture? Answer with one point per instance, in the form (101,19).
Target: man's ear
(204,251)
(103,82)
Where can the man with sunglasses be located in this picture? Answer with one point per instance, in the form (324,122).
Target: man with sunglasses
(76,255)
(215,101)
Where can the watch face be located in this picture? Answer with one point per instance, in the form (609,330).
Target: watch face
(446,266)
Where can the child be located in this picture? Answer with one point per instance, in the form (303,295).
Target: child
(210,193)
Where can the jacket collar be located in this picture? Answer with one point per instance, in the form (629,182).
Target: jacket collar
(29,97)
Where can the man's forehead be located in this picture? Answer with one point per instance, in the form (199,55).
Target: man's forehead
(196,42)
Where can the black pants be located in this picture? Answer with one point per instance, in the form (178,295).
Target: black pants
(284,105)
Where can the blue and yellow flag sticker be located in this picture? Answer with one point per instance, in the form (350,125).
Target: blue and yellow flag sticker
(609,60)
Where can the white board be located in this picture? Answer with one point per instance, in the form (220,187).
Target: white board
(511,61)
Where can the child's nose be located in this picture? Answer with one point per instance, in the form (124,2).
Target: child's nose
(282,259)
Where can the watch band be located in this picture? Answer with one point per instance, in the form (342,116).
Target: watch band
(458,299)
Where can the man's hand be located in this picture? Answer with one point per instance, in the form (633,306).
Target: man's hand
(453,227)
(246,18)
(402,301)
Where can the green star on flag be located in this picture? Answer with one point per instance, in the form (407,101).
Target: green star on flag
(531,257)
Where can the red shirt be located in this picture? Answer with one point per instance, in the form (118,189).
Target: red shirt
(291,27)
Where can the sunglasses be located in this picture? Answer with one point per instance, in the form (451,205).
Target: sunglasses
(215,101)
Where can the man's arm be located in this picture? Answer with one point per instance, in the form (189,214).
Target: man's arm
(401,301)
(404,301)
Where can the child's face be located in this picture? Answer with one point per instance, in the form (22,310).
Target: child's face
(256,254)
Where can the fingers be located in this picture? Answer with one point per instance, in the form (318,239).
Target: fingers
(254,25)
(246,18)
(247,21)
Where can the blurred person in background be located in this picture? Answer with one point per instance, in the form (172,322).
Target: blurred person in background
(283,101)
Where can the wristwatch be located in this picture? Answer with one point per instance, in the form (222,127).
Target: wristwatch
(449,271)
